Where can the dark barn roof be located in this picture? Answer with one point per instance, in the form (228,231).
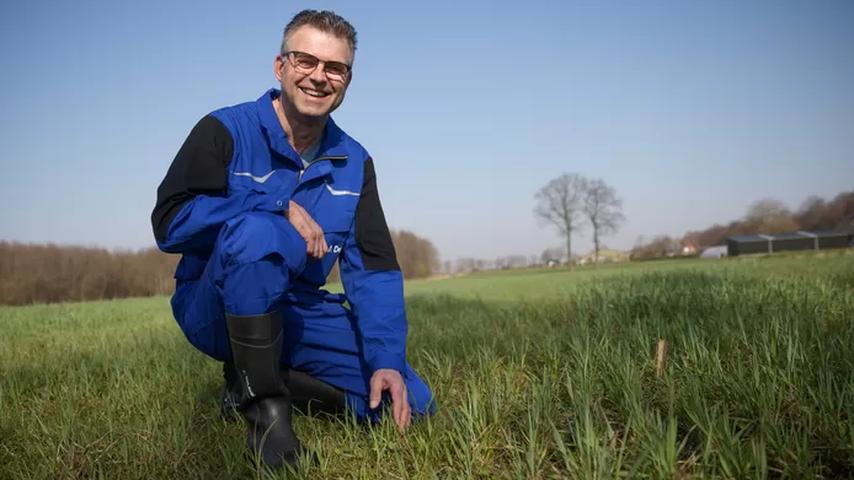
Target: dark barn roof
(800,240)
(749,238)
(829,234)
(785,236)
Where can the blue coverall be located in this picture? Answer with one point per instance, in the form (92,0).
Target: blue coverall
(221,205)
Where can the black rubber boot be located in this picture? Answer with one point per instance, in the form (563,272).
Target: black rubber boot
(229,405)
(256,346)
(312,396)
(309,395)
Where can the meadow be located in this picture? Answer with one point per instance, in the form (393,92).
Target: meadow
(538,374)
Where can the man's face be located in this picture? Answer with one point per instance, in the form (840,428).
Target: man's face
(314,94)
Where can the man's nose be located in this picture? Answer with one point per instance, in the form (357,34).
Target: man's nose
(318,75)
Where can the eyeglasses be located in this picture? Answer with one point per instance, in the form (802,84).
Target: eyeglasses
(305,63)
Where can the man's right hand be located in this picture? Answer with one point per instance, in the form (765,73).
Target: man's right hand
(310,231)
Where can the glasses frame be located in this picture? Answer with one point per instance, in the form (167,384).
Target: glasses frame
(292,59)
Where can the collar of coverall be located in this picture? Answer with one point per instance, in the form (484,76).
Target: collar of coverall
(331,145)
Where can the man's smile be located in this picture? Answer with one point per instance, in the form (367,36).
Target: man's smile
(314,93)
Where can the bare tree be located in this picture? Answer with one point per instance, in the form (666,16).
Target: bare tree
(770,216)
(552,254)
(603,210)
(560,203)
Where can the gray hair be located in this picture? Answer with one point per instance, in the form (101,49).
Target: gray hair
(325,21)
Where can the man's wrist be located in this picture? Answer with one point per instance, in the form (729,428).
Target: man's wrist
(387,361)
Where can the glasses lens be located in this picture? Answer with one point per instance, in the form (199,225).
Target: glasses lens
(305,61)
(337,69)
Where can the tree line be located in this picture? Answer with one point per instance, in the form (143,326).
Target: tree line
(772,216)
(767,216)
(53,273)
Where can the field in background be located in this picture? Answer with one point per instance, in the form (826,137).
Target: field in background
(557,283)
(539,374)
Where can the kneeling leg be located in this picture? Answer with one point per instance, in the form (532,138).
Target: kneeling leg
(329,350)
(309,395)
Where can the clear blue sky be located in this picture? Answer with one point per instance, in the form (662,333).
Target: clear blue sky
(691,110)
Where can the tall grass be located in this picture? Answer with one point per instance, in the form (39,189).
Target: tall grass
(758,382)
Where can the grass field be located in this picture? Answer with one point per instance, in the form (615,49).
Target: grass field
(539,374)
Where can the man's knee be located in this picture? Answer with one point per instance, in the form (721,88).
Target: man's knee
(259,256)
(252,236)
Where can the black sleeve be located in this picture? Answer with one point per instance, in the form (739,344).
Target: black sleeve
(372,235)
(199,168)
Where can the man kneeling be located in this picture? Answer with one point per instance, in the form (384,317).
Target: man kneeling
(262,199)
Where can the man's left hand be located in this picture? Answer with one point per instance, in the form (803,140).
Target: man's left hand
(390,379)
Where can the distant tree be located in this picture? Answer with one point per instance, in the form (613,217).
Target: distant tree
(817,214)
(603,210)
(417,256)
(552,254)
(812,214)
(659,246)
(560,203)
(770,216)
(841,210)
(710,237)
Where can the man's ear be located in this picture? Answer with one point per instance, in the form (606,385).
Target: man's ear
(278,65)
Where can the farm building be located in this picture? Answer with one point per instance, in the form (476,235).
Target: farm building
(718,251)
(781,242)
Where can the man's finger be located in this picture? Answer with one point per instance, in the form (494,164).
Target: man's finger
(407,411)
(312,240)
(320,250)
(305,236)
(396,410)
(313,237)
(320,242)
(305,233)
(376,392)
(312,234)
(318,247)
(397,402)
(302,228)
